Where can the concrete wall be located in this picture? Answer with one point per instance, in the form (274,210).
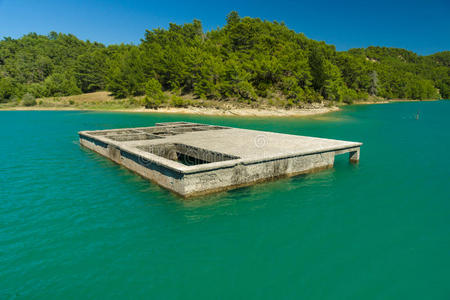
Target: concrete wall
(242,174)
(212,180)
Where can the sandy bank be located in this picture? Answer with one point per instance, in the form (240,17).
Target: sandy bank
(257,112)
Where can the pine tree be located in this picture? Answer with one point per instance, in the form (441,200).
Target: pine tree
(373,90)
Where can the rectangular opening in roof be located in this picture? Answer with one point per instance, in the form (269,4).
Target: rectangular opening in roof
(168,131)
(185,154)
(113,132)
(176,124)
(158,131)
(132,137)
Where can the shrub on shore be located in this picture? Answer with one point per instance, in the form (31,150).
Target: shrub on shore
(154,95)
(177,101)
(28,100)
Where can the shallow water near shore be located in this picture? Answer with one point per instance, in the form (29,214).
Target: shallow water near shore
(75,225)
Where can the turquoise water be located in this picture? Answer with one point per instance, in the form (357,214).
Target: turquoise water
(75,225)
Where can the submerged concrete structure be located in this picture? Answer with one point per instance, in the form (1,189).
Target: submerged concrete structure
(193,159)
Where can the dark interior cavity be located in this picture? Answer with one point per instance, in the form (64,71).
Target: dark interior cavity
(185,154)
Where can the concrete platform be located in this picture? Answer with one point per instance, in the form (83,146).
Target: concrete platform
(193,159)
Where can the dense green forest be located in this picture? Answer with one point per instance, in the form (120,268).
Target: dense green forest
(247,60)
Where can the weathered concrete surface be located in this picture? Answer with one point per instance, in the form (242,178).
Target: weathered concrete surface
(192,159)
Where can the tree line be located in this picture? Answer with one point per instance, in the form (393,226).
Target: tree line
(248,59)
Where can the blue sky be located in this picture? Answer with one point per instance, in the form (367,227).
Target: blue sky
(420,26)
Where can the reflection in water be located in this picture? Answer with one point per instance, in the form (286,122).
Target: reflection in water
(252,198)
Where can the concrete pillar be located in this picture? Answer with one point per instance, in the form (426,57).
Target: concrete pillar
(354,156)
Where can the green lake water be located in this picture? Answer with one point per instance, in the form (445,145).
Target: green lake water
(75,225)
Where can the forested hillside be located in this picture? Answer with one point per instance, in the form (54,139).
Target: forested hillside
(246,60)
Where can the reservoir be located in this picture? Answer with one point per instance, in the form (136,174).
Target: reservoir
(75,224)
